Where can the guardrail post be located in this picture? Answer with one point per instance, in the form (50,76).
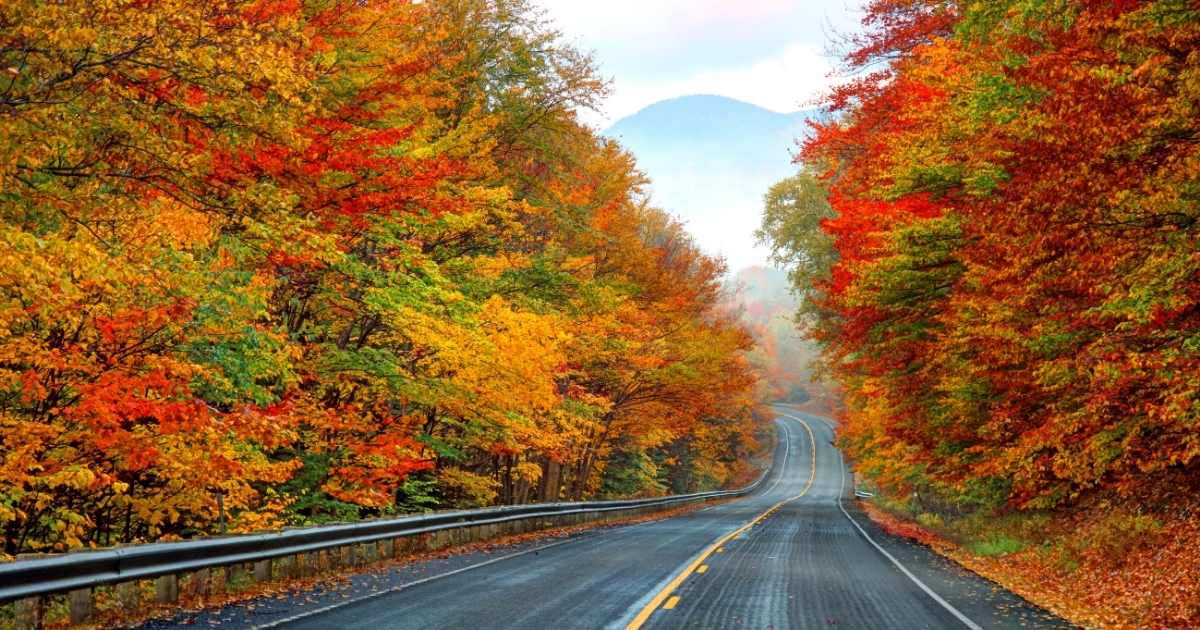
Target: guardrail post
(28,613)
(80,603)
(166,589)
(262,571)
(129,596)
(281,567)
(288,566)
(198,584)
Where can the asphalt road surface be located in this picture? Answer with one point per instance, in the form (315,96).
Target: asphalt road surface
(797,554)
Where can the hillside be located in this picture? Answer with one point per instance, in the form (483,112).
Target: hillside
(711,158)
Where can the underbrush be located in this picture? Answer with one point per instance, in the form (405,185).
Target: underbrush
(1103,565)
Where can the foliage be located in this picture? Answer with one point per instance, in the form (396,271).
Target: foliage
(291,262)
(793,210)
(1014,301)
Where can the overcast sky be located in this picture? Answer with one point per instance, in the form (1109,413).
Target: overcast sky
(777,54)
(773,53)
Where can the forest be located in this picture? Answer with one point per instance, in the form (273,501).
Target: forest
(997,235)
(282,262)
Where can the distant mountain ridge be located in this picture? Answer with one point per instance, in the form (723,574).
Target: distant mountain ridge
(705,119)
(711,159)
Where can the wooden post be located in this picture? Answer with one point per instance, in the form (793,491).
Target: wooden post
(297,566)
(29,613)
(166,589)
(129,596)
(282,567)
(262,571)
(364,554)
(198,585)
(80,603)
(312,564)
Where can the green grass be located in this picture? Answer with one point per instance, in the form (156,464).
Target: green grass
(996,546)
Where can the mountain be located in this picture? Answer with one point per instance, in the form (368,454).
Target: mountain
(711,159)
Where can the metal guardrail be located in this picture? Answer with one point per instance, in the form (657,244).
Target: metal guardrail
(79,570)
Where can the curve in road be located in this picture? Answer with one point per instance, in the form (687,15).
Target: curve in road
(793,555)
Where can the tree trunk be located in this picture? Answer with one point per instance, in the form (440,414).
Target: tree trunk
(506,482)
(582,472)
(521,492)
(551,481)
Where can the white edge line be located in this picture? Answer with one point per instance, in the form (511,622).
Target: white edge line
(400,587)
(641,603)
(787,452)
(395,589)
(928,591)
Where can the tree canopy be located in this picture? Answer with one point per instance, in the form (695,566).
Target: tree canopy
(327,259)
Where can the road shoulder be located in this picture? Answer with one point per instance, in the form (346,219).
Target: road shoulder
(983,601)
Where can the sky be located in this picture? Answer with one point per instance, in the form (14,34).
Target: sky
(773,53)
(777,54)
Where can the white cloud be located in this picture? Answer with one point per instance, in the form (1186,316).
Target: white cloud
(632,19)
(766,52)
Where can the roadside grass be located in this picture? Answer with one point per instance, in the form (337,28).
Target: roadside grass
(1099,565)
(996,546)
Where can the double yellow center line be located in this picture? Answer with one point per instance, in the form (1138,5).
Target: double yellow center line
(666,591)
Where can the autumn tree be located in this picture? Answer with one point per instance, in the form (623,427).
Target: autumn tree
(285,262)
(1013,303)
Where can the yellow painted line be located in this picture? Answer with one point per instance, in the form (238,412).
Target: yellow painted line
(720,550)
(717,546)
(702,568)
(671,602)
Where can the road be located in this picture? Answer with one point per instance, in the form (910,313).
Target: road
(790,556)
